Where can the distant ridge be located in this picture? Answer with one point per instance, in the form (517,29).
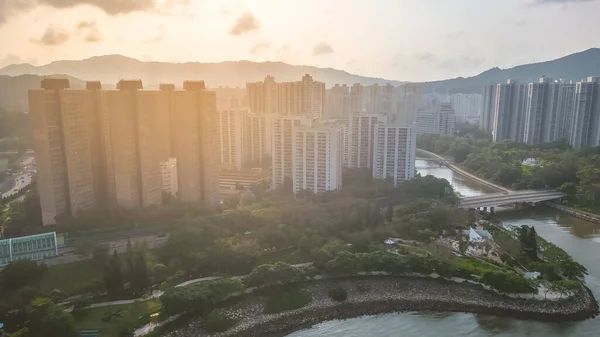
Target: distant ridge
(110,68)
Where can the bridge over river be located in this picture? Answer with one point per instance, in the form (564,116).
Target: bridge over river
(507,198)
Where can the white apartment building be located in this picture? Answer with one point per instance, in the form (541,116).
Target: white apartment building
(282,143)
(231,137)
(436,118)
(168,171)
(408,100)
(394,153)
(361,133)
(317,158)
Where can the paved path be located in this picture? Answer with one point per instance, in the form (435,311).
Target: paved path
(158,293)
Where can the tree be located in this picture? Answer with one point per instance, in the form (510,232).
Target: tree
(19,274)
(389,213)
(140,280)
(113,277)
(49,320)
(129,256)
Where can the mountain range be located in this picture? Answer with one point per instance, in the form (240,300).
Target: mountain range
(18,78)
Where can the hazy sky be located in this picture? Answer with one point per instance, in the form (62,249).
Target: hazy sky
(394,39)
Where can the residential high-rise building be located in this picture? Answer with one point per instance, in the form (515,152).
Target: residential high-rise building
(380,99)
(543,113)
(168,170)
(361,133)
(257,139)
(585,126)
(317,158)
(337,102)
(467,107)
(98,148)
(509,111)
(231,137)
(356,98)
(488,106)
(64,128)
(291,98)
(436,118)
(394,153)
(282,142)
(566,106)
(409,99)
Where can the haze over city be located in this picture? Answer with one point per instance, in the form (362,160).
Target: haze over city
(397,40)
(251,168)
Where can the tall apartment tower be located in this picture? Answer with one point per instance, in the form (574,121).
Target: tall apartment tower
(509,111)
(291,98)
(257,138)
(337,102)
(544,112)
(394,153)
(488,106)
(467,107)
(317,158)
(586,115)
(566,109)
(409,99)
(64,129)
(436,118)
(381,99)
(361,134)
(102,148)
(356,98)
(282,143)
(231,137)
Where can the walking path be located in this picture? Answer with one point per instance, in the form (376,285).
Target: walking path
(158,293)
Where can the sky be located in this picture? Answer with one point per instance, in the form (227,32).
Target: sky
(412,40)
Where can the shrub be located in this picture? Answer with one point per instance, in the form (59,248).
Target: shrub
(338,294)
(215,322)
(287,299)
(277,273)
(507,282)
(200,297)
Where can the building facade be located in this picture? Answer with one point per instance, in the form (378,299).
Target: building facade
(231,137)
(101,148)
(317,158)
(436,118)
(394,153)
(282,144)
(361,134)
(586,114)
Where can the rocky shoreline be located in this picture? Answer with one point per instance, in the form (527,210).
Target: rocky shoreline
(386,295)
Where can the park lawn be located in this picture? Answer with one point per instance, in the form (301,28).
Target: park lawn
(127,315)
(73,278)
(475,266)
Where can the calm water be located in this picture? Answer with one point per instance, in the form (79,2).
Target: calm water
(579,238)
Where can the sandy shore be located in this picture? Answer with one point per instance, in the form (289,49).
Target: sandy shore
(385,295)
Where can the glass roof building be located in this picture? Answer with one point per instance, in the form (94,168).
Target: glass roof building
(32,247)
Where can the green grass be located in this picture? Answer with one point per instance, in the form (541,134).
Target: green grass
(413,249)
(73,278)
(287,298)
(130,316)
(475,266)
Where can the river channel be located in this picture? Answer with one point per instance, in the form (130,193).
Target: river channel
(579,238)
